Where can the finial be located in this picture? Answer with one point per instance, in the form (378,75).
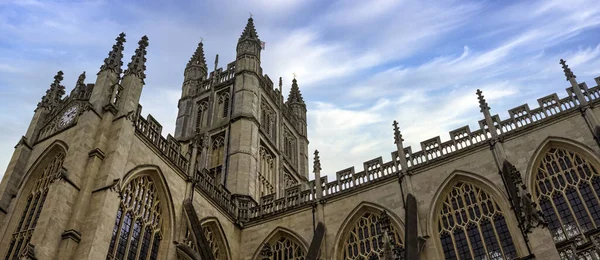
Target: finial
(137,66)
(280,82)
(114,60)
(81,79)
(295,96)
(317,162)
(198,56)
(54,93)
(568,73)
(482,103)
(250,15)
(201,39)
(397,135)
(249,31)
(294,75)
(216,62)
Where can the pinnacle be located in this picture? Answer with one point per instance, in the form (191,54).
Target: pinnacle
(198,57)
(482,103)
(250,30)
(137,66)
(317,162)
(114,60)
(568,73)
(54,93)
(397,134)
(295,96)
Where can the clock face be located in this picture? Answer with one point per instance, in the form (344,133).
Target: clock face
(68,116)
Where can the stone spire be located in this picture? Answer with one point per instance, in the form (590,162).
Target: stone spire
(482,103)
(400,148)
(114,60)
(137,66)
(54,93)
(317,163)
(198,57)
(249,32)
(79,86)
(568,73)
(295,96)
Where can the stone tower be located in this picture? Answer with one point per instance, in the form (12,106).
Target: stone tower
(256,144)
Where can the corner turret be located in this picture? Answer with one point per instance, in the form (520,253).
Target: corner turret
(107,88)
(248,49)
(295,102)
(195,71)
(133,79)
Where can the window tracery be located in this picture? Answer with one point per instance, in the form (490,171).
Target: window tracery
(365,238)
(137,230)
(223,104)
(268,120)
(215,242)
(217,151)
(202,117)
(472,226)
(289,145)
(288,180)
(283,247)
(266,175)
(568,187)
(33,207)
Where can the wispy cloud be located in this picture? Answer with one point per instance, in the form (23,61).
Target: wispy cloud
(360,65)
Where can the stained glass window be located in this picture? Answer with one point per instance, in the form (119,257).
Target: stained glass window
(33,207)
(136,234)
(365,239)
(472,226)
(567,186)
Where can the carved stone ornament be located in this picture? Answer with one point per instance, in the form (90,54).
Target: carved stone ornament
(266,252)
(116,186)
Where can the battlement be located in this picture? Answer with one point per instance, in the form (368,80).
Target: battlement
(216,78)
(551,107)
(168,147)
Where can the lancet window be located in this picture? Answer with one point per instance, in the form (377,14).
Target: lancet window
(472,226)
(33,207)
(223,110)
(268,120)
(202,117)
(568,188)
(217,151)
(365,238)
(266,175)
(137,231)
(289,145)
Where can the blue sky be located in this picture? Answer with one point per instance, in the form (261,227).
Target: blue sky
(360,64)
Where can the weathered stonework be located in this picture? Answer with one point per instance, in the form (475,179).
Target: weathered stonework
(240,156)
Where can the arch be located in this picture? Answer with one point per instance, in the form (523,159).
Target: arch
(554,141)
(564,181)
(480,182)
(282,232)
(215,224)
(166,230)
(34,186)
(357,213)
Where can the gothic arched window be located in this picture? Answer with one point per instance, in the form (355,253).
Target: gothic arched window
(567,187)
(266,175)
(283,247)
(224,104)
(202,117)
(217,152)
(365,239)
(33,207)
(472,226)
(137,231)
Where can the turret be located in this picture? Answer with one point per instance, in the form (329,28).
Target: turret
(107,89)
(195,71)
(49,101)
(248,49)
(296,103)
(133,80)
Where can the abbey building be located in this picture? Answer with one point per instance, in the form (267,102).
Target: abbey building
(95,178)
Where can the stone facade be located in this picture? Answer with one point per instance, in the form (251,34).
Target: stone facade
(93,179)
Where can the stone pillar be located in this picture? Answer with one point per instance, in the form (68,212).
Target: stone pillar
(320,203)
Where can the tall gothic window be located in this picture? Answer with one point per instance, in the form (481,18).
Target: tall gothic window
(289,145)
(202,117)
(568,188)
(472,226)
(33,207)
(137,231)
(266,175)
(365,239)
(223,105)
(216,156)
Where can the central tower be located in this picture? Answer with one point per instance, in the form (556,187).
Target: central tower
(255,142)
